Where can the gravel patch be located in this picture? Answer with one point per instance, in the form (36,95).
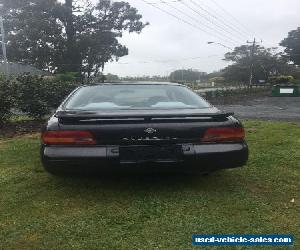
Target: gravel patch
(267,108)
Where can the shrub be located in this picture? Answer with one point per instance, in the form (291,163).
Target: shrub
(68,77)
(296,81)
(31,92)
(58,91)
(6,100)
(37,96)
(281,79)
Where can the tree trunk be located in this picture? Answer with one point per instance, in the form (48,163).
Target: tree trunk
(73,62)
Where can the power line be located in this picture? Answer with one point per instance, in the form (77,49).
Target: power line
(228,20)
(217,18)
(233,17)
(193,18)
(214,15)
(242,30)
(243,27)
(205,17)
(186,22)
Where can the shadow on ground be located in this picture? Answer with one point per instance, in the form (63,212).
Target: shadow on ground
(141,182)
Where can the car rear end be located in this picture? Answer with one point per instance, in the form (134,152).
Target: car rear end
(184,140)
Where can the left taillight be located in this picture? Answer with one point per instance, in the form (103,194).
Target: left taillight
(71,137)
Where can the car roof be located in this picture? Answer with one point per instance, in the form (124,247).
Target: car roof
(136,83)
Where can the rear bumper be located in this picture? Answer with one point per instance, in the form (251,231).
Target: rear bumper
(195,157)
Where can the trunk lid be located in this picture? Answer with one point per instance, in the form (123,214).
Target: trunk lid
(131,127)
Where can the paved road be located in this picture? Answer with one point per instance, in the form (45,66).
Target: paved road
(267,108)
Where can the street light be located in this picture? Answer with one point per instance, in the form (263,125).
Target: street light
(220,45)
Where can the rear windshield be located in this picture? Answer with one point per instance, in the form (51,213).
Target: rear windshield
(134,97)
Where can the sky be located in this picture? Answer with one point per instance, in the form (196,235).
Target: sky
(168,44)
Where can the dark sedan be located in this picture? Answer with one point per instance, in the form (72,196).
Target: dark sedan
(141,126)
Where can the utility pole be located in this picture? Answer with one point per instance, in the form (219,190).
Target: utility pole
(252,53)
(4,47)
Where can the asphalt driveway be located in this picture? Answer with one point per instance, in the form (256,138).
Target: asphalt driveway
(267,108)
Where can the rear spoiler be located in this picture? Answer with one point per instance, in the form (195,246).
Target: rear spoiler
(95,116)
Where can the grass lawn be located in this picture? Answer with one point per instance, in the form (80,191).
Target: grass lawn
(40,211)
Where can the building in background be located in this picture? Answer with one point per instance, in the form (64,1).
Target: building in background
(19,69)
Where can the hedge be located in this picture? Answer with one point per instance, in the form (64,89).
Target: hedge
(281,79)
(34,95)
(6,100)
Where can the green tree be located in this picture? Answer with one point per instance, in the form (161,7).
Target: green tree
(112,77)
(69,36)
(292,46)
(189,75)
(236,73)
(266,62)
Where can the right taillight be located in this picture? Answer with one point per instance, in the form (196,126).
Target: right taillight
(223,134)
